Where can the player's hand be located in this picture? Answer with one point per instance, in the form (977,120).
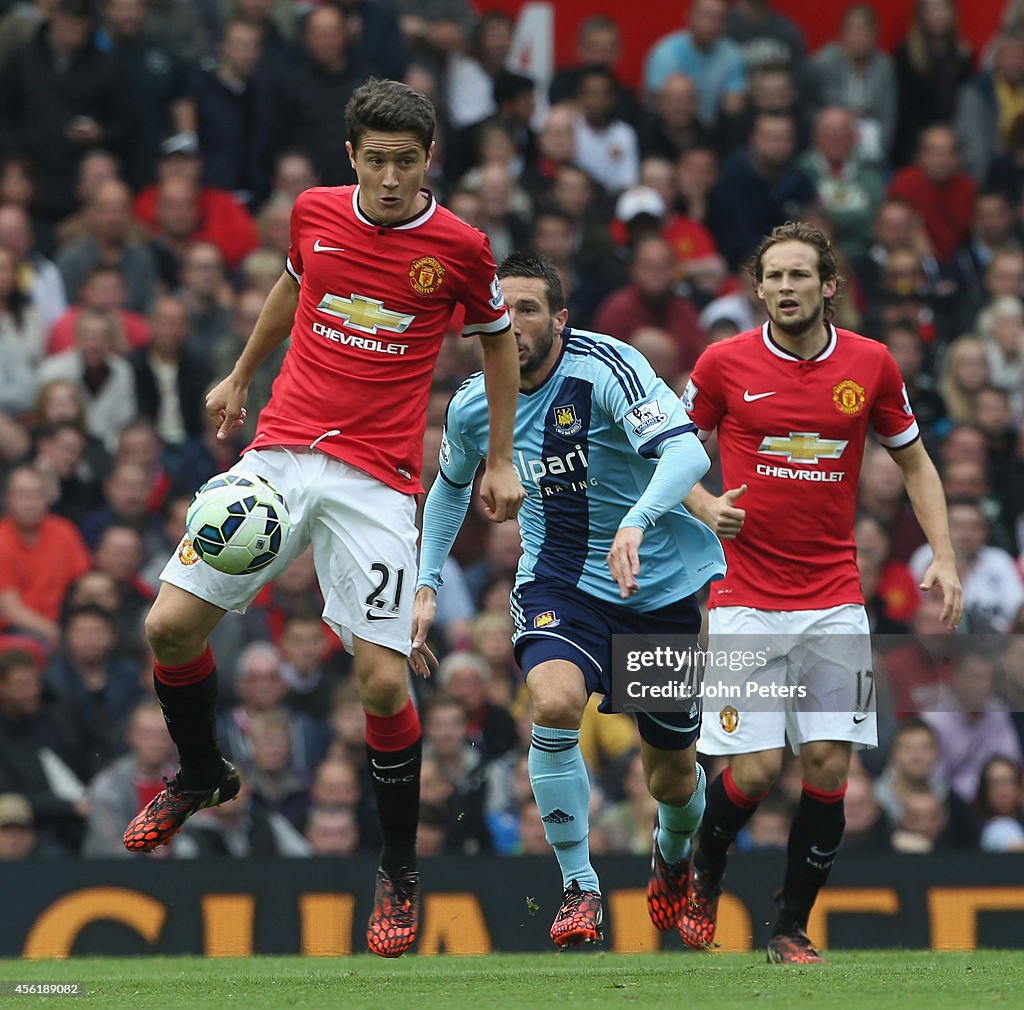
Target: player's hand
(624,559)
(724,518)
(943,574)
(424,611)
(502,491)
(225,403)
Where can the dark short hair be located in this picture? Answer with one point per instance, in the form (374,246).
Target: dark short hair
(14,659)
(532,264)
(90,610)
(808,234)
(508,86)
(390,107)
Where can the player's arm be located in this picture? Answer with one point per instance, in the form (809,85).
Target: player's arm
(226,401)
(924,488)
(682,461)
(500,488)
(443,515)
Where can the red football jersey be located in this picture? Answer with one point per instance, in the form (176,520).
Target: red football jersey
(793,431)
(375,302)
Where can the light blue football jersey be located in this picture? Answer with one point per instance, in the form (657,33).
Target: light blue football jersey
(585,448)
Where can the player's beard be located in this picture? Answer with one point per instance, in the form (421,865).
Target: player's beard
(541,349)
(801,326)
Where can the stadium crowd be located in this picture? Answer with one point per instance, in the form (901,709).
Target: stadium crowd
(150,152)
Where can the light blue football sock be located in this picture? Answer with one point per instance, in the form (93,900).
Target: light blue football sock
(678,825)
(558,775)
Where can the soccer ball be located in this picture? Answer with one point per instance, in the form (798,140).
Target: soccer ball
(237,523)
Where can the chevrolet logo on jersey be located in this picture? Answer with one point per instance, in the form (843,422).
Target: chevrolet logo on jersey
(803,447)
(364,314)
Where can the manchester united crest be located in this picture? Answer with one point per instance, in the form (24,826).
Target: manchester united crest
(187,553)
(426,275)
(848,397)
(729,719)
(566,420)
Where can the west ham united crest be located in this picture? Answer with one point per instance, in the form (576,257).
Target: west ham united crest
(566,421)
(426,275)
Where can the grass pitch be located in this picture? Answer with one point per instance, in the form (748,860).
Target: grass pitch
(907,980)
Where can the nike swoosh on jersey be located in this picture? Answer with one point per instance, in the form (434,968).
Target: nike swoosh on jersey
(317,247)
(371,616)
(857,721)
(751,397)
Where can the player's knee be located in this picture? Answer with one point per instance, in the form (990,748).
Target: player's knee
(557,709)
(383,691)
(755,776)
(672,786)
(826,768)
(171,636)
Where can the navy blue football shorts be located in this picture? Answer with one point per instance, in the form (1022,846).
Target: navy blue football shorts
(556,621)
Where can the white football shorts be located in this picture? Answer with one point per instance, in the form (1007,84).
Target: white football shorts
(811,682)
(364,547)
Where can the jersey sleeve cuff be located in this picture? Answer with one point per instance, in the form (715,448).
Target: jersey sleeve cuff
(903,439)
(647,449)
(296,276)
(498,325)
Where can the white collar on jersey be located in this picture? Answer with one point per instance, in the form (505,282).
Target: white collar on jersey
(781,352)
(421,218)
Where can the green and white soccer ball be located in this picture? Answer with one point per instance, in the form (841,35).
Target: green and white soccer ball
(238,523)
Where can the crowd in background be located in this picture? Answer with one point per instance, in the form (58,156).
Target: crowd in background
(150,153)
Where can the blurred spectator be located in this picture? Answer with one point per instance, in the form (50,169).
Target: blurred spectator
(38,277)
(41,554)
(155,86)
(988,104)
(598,44)
(19,186)
(1000,805)
(293,174)
(274,224)
(207,295)
(89,674)
(764,35)
(491,639)
(993,228)
(898,225)
(332,832)
(993,591)
(771,89)
(102,290)
(890,592)
(103,377)
(627,824)
(171,381)
(373,33)
(22,340)
(865,827)
(234,110)
(60,95)
(556,143)
(122,789)
(179,24)
(907,349)
(310,678)
(119,554)
(17,828)
(707,55)
(974,725)
(490,728)
(855,73)
(922,824)
(606,148)
(274,784)
(43,753)
(964,373)
(60,454)
(939,190)
(96,167)
(912,769)
(500,559)
(471,74)
(758,187)
(316,89)
(178,210)
(850,190)
(881,493)
(433,30)
(1001,329)
(931,63)
(259,687)
(649,301)
(768,829)
(19,22)
(444,740)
